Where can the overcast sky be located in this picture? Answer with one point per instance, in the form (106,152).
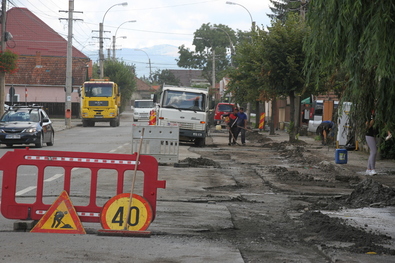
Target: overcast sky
(171,22)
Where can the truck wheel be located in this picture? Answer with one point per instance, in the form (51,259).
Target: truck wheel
(200,142)
(118,121)
(84,123)
(113,123)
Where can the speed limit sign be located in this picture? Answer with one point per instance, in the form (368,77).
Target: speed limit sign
(114,213)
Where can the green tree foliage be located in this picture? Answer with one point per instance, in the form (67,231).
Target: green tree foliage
(206,39)
(165,76)
(270,65)
(356,37)
(244,81)
(122,74)
(283,60)
(281,8)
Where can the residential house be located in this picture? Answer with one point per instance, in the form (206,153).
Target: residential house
(143,91)
(41,74)
(189,77)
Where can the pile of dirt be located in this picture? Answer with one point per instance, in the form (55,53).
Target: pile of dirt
(200,162)
(367,193)
(286,175)
(254,136)
(318,226)
(371,193)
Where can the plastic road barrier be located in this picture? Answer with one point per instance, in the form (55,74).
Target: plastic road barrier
(41,159)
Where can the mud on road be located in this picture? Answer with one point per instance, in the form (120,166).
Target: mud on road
(282,189)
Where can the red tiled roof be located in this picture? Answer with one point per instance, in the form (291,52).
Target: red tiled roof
(31,34)
(142,86)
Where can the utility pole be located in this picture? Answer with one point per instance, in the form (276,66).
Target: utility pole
(69,64)
(2,43)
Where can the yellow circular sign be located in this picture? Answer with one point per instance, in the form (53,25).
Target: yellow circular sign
(114,213)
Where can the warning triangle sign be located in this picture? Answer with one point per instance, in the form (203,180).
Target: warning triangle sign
(61,218)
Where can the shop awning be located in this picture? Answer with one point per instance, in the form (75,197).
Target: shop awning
(306,101)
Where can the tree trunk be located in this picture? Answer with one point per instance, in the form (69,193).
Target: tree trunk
(274,103)
(257,115)
(297,114)
(291,128)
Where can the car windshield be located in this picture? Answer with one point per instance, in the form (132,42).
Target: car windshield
(28,116)
(143,104)
(184,100)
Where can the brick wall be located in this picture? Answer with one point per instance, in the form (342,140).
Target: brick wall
(44,70)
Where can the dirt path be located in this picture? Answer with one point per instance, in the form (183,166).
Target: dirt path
(282,189)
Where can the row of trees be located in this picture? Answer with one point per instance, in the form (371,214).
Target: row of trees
(346,47)
(123,75)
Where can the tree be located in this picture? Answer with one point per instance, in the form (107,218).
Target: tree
(356,37)
(283,60)
(244,80)
(281,8)
(122,74)
(206,40)
(165,77)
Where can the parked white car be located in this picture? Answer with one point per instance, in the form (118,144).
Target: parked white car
(142,109)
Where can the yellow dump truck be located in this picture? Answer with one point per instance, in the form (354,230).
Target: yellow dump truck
(100,102)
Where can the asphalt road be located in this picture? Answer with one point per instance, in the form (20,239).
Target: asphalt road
(172,238)
(238,212)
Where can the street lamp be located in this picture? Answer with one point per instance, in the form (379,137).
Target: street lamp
(252,21)
(149,62)
(114,37)
(101,55)
(213,77)
(231,43)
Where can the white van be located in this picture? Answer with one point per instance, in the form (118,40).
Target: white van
(316,119)
(142,109)
(318,113)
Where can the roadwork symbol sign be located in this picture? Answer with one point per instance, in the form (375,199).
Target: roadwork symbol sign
(61,218)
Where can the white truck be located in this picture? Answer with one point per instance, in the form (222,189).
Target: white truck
(142,109)
(187,108)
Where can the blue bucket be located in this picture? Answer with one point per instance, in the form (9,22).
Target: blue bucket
(341,156)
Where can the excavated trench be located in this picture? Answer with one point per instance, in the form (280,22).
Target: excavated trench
(285,206)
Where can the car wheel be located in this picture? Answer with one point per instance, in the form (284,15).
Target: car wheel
(39,144)
(51,142)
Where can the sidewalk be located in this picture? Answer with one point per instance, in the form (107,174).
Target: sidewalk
(356,160)
(60,124)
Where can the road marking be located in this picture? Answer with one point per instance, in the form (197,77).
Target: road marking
(119,147)
(30,188)
(56,176)
(24,191)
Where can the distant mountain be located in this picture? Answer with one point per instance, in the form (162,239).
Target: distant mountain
(161,57)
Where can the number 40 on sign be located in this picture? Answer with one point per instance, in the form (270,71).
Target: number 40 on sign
(114,213)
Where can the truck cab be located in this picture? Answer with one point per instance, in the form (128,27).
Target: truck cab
(187,108)
(100,102)
(141,109)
